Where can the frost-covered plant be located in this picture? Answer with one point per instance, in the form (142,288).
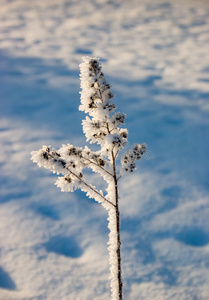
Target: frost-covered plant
(103,127)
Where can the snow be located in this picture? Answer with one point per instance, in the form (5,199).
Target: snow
(155,55)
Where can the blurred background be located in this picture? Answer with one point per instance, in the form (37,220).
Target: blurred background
(155,56)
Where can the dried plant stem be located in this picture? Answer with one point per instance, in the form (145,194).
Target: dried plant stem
(120,284)
(102,126)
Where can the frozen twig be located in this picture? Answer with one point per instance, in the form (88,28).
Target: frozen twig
(103,127)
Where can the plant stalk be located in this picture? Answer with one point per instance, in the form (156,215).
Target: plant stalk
(120,284)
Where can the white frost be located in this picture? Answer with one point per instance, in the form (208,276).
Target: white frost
(102,126)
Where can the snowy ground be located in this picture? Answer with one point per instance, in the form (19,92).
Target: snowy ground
(155,55)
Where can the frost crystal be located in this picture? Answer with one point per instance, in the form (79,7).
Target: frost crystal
(101,126)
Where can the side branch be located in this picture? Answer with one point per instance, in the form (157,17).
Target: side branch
(92,162)
(90,187)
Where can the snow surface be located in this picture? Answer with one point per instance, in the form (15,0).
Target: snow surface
(155,55)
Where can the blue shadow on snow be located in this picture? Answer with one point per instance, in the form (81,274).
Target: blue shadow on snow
(6,281)
(66,246)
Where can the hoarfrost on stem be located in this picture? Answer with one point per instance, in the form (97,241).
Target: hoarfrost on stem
(101,126)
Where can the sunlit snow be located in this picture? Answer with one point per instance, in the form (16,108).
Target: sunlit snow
(155,55)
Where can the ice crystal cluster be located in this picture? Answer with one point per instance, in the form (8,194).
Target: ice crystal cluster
(102,125)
